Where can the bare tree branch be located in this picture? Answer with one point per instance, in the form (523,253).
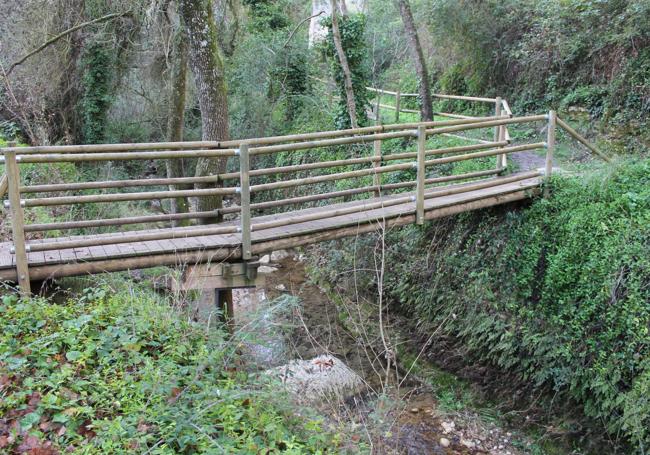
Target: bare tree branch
(53,40)
(293,32)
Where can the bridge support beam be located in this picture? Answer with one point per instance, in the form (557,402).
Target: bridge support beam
(216,282)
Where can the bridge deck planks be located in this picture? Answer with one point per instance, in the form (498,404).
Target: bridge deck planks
(231,242)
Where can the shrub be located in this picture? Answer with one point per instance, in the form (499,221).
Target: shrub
(557,295)
(119,372)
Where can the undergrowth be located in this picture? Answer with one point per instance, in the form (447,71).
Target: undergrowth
(118,371)
(555,296)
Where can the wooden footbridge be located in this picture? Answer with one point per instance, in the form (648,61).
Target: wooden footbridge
(364,189)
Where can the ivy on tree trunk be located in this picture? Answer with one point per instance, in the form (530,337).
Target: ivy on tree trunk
(345,67)
(209,77)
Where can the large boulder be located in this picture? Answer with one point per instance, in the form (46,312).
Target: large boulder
(324,377)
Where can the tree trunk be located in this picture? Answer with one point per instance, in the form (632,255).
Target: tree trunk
(209,77)
(424,87)
(343,60)
(175,119)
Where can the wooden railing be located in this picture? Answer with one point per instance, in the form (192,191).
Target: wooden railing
(367,159)
(501,108)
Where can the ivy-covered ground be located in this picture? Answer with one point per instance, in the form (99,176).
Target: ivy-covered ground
(119,371)
(553,298)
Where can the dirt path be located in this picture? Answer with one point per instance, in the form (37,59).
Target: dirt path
(528,160)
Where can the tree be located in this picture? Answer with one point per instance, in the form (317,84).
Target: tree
(176,117)
(209,77)
(424,86)
(345,67)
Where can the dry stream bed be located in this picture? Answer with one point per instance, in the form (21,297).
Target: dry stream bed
(399,411)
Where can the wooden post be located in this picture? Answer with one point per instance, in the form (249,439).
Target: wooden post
(498,130)
(245,193)
(398,103)
(421,167)
(376,178)
(17,222)
(377,108)
(550,149)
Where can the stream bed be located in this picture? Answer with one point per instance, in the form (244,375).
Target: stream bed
(292,318)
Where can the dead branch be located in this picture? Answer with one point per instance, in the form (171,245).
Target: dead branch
(53,40)
(293,32)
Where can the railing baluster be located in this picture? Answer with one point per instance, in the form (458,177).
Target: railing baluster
(245,189)
(376,178)
(550,149)
(378,109)
(419,200)
(398,105)
(498,130)
(17,222)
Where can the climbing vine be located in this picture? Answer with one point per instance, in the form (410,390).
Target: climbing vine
(97,91)
(353,29)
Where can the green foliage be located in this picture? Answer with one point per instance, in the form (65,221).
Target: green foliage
(559,52)
(557,296)
(590,97)
(269,15)
(119,372)
(353,40)
(9,130)
(97,91)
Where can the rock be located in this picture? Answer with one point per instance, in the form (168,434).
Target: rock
(444,442)
(279,255)
(302,257)
(266,269)
(321,378)
(281,287)
(447,427)
(415,410)
(265,259)
(466,443)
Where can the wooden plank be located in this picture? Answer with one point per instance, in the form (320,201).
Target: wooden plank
(322,236)
(230,241)
(367,222)
(388,212)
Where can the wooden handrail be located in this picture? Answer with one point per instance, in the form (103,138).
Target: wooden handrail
(122,197)
(47,154)
(372,164)
(435,95)
(66,225)
(577,136)
(197,232)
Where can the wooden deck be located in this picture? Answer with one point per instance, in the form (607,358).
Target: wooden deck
(227,247)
